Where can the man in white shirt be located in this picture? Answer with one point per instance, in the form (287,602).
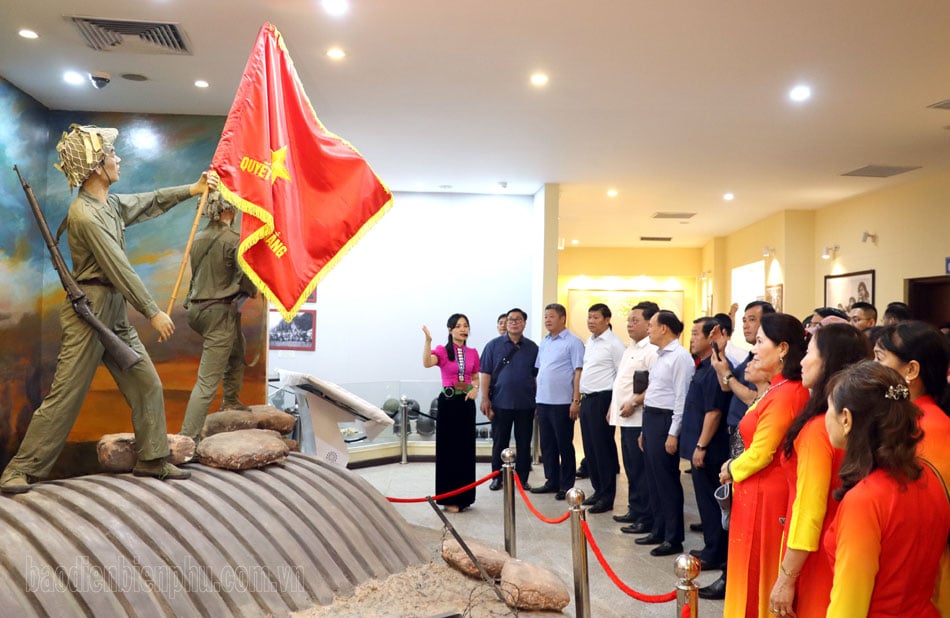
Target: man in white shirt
(602,356)
(626,412)
(662,420)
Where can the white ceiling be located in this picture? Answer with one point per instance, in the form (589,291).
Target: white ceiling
(672,103)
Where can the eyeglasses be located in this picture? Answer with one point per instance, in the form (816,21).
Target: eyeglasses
(516,320)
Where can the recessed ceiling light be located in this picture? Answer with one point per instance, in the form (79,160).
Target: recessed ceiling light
(200,83)
(335,7)
(728,197)
(575,241)
(335,53)
(611,193)
(26,33)
(539,79)
(801,92)
(445,187)
(73,78)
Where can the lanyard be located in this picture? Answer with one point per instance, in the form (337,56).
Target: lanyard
(460,358)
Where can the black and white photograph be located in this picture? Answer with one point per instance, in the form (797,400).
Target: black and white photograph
(294,335)
(842,291)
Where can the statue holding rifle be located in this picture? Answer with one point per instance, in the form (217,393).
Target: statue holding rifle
(95,229)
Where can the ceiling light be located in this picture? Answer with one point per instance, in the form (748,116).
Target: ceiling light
(611,193)
(728,197)
(539,79)
(200,83)
(26,33)
(335,7)
(575,241)
(335,53)
(73,78)
(829,252)
(801,92)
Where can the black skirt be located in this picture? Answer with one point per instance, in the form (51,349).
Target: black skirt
(455,449)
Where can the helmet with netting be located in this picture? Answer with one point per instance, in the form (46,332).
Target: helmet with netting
(216,205)
(81,150)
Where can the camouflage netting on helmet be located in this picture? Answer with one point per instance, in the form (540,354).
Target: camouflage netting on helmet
(81,150)
(216,204)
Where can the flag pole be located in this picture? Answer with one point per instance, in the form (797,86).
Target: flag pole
(191,239)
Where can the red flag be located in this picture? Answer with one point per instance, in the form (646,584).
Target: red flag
(307,194)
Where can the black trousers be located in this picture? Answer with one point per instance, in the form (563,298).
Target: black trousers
(665,472)
(705,482)
(600,449)
(455,449)
(556,430)
(639,498)
(523,422)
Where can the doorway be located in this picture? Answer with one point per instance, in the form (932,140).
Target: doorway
(929,298)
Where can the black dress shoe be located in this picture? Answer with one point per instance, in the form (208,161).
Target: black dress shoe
(561,495)
(601,507)
(637,528)
(705,565)
(547,488)
(648,540)
(495,484)
(696,527)
(715,590)
(626,518)
(696,553)
(591,500)
(666,549)
(526,486)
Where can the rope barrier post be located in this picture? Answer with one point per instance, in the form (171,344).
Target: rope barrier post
(575,497)
(404,428)
(508,480)
(687,568)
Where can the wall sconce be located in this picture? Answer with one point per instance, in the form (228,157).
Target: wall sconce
(866,236)
(705,274)
(829,252)
(768,251)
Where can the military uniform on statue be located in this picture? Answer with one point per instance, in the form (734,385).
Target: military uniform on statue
(217,288)
(95,228)
(455,428)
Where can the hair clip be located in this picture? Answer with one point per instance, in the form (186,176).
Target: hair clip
(897,392)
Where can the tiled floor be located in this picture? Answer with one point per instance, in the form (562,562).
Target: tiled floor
(550,545)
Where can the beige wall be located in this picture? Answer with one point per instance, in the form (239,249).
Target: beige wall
(911,219)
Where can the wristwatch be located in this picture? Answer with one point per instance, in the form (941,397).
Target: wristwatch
(699,447)
(726,378)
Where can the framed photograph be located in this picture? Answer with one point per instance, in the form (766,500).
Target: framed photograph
(298,334)
(313,297)
(842,291)
(775,294)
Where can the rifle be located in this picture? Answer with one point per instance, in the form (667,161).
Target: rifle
(120,351)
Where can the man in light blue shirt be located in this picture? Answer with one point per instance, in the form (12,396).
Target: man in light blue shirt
(662,420)
(559,364)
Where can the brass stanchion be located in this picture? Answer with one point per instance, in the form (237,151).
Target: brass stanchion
(508,480)
(687,568)
(575,497)
(404,428)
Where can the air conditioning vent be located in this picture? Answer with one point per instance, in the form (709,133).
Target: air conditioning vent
(881,171)
(139,37)
(674,215)
(657,238)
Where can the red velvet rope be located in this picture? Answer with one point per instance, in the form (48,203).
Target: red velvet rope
(454,492)
(647,598)
(531,508)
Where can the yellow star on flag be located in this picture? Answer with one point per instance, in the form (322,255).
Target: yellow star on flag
(277,167)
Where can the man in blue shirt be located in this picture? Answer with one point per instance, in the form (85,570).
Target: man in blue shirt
(559,364)
(704,441)
(508,393)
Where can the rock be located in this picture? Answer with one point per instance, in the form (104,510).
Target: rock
(492,560)
(242,449)
(117,453)
(292,445)
(533,588)
(260,417)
